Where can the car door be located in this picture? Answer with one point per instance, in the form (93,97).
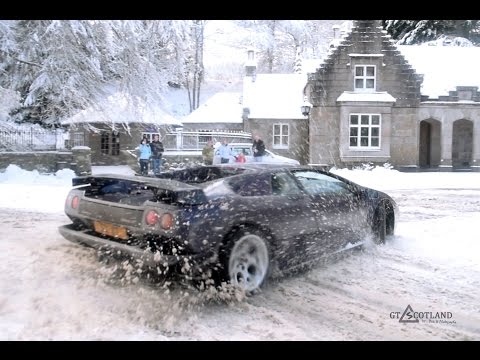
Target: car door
(342,216)
(275,201)
(295,225)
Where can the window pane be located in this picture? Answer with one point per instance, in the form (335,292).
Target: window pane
(370,83)
(375,131)
(365,119)
(359,83)
(353,131)
(285,140)
(105,143)
(276,129)
(353,119)
(285,129)
(370,70)
(359,71)
(116,144)
(375,141)
(375,119)
(353,141)
(276,140)
(364,141)
(364,131)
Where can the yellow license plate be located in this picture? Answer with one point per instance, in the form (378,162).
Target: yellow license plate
(110,230)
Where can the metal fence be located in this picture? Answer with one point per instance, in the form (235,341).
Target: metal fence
(24,138)
(196,140)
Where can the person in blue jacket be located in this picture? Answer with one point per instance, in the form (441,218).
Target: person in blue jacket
(225,152)
(145,154)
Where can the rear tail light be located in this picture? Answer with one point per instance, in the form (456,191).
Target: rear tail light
(75,201)
(152,218)
(166,221)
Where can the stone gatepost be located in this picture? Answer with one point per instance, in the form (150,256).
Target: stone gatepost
(82,160)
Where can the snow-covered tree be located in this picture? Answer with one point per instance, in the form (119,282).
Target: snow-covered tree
(420,31)
(9,100)
(277,42)
(60,67)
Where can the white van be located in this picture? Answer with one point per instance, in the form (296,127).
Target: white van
(246,148)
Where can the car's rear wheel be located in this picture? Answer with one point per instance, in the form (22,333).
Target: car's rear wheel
(247,260)
(380,225)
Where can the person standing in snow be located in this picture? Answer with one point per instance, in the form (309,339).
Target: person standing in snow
(258,148)
(157,151)
(145,154)
(225,152)
(207,153)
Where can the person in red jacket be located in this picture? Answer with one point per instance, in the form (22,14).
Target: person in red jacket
(240,158)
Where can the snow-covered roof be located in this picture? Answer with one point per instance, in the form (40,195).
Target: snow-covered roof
(223,107)
(118,109)
(444,67)
(274,96)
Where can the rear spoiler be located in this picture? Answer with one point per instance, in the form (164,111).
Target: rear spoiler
(164,190)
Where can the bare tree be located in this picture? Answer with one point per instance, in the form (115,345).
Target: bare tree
(195,69)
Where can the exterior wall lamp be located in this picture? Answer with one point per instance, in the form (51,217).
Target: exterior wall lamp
(306,107)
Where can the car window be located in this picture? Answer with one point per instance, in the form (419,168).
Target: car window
(284,184)
(317,183)
(217,189)
(246,150)
(251,185)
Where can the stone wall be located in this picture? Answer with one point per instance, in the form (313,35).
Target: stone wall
(49,161)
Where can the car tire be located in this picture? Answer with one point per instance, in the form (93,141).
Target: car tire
(246,260)
(380,224)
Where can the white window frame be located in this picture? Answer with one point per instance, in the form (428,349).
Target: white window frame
(370,129)
(284,138)
(364,78)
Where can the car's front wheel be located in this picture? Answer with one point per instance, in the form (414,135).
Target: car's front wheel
(247,262)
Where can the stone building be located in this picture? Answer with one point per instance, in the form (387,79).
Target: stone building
(113,131)
(371,104)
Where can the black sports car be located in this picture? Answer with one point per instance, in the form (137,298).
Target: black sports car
(239,223)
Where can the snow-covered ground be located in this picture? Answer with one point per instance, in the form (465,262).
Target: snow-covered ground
(51,289)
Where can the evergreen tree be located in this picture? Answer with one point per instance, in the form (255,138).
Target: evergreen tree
(410,32)
(60,67)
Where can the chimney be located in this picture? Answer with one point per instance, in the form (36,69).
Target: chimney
(251,64)
(245,113)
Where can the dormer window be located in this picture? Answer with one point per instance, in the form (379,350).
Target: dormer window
(365,78)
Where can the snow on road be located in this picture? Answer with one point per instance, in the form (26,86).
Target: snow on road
(51,289)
